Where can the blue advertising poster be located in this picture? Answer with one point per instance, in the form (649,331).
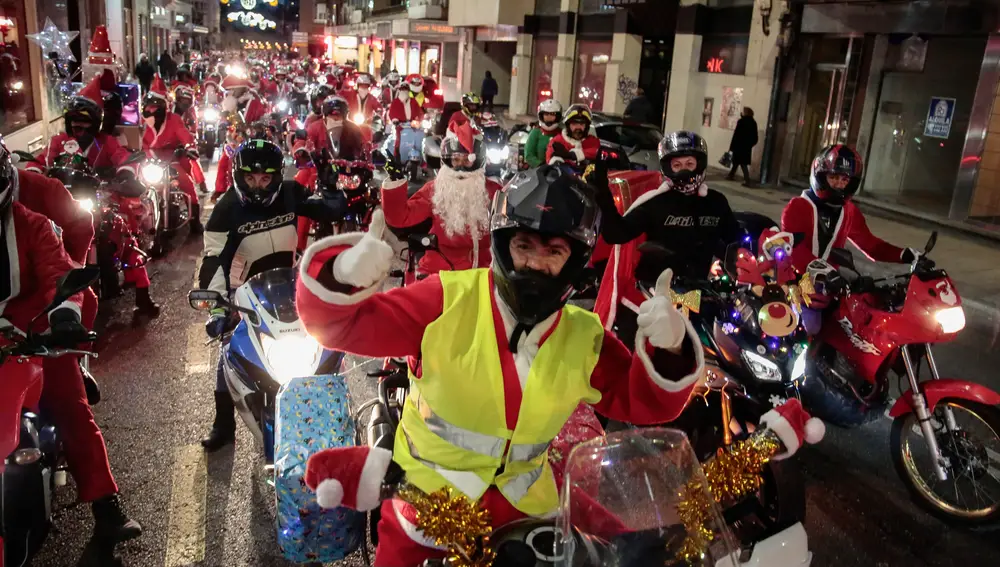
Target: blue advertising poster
(939,117)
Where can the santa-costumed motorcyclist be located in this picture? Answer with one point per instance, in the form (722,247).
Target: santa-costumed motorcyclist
(167,138)
(361,101)
(317,95)
(251,230)
(224,170)
(184,77)
(211,89)
(184,107)
(241,98)
(574,144)
(389,85)
(683,215)
(550,115)
(403,111)
(510,327)
(416,85)
(471,106)
(335,131)
(457,201)
(104,154)
(34,259)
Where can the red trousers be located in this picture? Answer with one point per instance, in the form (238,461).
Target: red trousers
(65,401)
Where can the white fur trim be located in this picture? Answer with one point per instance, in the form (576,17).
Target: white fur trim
(815,227)
(815,430)
(671,385)
(370,483)
(613,312)
(390,184)
(410,529)
(67,305)
(784,430)
(330,493)
(556,160)
(316,288)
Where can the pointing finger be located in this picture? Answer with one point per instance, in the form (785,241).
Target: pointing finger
(377,226)
(663,283)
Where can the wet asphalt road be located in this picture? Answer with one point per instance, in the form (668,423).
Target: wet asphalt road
(157,381)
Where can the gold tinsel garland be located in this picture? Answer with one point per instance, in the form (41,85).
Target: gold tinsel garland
(732,474)
(454,521)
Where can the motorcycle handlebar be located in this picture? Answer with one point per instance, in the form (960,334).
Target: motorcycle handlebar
(352,164)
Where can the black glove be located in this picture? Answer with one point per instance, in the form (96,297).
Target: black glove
(561,151)
(394,169)
(598,177)
(67,331)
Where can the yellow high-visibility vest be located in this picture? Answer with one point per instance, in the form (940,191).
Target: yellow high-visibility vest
(454,429)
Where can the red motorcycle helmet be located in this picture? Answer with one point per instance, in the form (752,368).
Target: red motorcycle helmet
(837,159)
(416,82)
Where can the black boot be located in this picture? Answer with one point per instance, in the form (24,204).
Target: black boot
(224,429)
(111,524)
(90,386)
(144,305)
(203,188)
(196,226)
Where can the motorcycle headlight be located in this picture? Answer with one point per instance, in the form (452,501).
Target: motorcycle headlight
(152,173)
(951,319)
(348,182)
(86,204)
(210,115)
(282,105)
(426,124)
(497,155)
(358,118)
(799,367)
(291,357)
(762,368)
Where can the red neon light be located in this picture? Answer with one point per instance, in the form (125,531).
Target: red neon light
(714,65)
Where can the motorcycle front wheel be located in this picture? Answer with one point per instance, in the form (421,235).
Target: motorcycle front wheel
(970,496)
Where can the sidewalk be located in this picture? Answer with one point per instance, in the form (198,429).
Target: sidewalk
(972,262)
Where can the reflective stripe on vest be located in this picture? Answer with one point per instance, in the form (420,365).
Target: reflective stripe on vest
(454,426)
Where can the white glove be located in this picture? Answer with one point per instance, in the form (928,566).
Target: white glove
(661,322)
(367,262)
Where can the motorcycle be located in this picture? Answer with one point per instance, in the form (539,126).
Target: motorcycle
(211,133)
(887,326)
(35,464)
(266,349)
(495,142)
(173,207)
(747,373)
(411,138)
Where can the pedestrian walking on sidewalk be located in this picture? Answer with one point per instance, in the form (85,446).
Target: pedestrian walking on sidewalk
(489,90)
(744,139)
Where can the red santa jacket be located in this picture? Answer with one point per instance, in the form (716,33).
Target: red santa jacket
(49,197)
(191,82)
(190,118)
(800,218)
(392,324)
(28,277)
(224,170)
(618,286)
(105,152)
(404,113)
(401,212)
(370,107)
(172,134)
(585,149)
(311,118)
(351,140)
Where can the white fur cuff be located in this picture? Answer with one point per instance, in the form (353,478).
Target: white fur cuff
(316,288)
(673,385)
(390,184)
(370,484)
(784,430)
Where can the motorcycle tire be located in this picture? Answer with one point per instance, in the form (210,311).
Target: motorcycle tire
(159,248)
(779,503)
(108,284)
(988,414)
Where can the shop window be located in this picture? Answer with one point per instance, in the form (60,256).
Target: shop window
(541,70)
(588,78)
(17,106)
(726,54)
(449,62)
(548,7)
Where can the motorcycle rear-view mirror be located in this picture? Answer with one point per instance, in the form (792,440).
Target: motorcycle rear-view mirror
(25,157)
(653,259)
(931,242)
(72,283)
(136,157)
(205,299)
(732,254)
(843,258)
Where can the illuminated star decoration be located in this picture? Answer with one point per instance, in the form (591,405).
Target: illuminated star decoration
(51,40)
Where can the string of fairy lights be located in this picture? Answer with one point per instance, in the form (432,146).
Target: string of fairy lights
(249,18)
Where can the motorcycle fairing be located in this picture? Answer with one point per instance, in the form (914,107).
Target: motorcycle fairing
(937,390)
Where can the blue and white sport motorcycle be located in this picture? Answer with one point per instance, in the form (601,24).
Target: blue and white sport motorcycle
(266,349)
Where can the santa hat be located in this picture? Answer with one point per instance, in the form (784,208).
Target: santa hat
(348,476)
(212,79)
(234,82)
(158,88)
(461,129)
(773,235)
(793,425)
(299,146)
(92,93)
(99,52)
(108,82)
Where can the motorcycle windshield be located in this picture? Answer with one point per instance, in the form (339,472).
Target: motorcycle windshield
(275,290)
(639,497)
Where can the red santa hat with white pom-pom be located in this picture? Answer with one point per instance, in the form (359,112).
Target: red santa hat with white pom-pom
(100,52)
(793,425)
(348,476)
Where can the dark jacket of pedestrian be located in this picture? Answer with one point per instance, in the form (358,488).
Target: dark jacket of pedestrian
(144,71)
(640,109)
(490,88)
(166,65)
(744,138)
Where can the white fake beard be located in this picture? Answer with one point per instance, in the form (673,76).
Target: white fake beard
(461,202)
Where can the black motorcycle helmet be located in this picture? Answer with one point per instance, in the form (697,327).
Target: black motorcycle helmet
(682,144)
(183,71)
(8,178)
(548,202)
(335,105)
(257,156)
(82,109)
(837,160)
(457,144)
(318,94)
(154,105)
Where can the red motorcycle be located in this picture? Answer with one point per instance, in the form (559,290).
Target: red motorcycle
(945,431)
(34,463)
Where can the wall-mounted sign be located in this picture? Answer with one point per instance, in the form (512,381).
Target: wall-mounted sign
(732,107)
(939,117)
(427,27)
(496,33)
(346,41)
(725,54)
